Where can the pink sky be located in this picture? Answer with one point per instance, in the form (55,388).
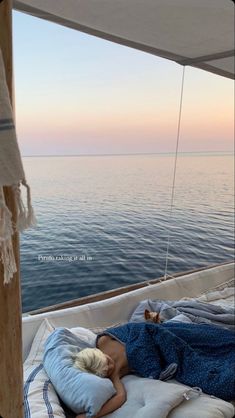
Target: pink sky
(76,94)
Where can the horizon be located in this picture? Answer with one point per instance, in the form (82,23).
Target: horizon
(133,154)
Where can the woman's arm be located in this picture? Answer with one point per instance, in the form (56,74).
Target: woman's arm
(115,402)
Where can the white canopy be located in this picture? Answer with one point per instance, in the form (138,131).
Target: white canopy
(199,33)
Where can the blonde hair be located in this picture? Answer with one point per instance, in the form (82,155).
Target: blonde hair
(92,360)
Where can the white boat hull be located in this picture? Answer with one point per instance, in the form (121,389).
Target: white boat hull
(118,309)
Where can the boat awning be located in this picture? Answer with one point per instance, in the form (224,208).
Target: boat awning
(199,33)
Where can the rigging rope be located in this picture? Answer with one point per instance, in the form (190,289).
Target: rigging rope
(174,174)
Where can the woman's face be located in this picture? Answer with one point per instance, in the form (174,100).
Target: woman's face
(110,365)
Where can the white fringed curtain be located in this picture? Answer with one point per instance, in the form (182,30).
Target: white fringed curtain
(12,175)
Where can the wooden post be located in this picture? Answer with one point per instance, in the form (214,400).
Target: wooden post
(11,376)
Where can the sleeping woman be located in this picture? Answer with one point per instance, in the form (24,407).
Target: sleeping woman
(196,355)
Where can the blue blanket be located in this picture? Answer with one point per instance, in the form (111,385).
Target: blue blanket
(204,354)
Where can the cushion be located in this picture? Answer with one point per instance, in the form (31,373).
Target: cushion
(80,391)
(40,398)
(147,398)
(35,355)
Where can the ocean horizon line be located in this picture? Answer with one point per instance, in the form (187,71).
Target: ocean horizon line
(170,153)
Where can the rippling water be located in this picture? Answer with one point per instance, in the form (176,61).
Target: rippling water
(103,222)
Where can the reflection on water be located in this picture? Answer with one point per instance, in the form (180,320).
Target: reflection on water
(103,221)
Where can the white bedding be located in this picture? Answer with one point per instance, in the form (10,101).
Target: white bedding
(224,297)
(147,398)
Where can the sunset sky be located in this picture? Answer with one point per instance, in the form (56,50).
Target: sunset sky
(77,94)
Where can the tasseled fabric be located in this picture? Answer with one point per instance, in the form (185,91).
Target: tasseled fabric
(25,219)
(6,232)
(11,175)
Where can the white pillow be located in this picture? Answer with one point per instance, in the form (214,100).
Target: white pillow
(147,398)
(40,398)
(86,334)
(79,390)
(204,406)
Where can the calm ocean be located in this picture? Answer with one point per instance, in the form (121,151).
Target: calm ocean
(103,221)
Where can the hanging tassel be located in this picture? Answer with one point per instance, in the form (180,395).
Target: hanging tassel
(21,211)
(31,219)
(6,231)
(26,217)
(8,260)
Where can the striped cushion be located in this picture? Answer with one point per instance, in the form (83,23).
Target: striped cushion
(40,398)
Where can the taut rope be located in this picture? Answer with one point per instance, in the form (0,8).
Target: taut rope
(174,174)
